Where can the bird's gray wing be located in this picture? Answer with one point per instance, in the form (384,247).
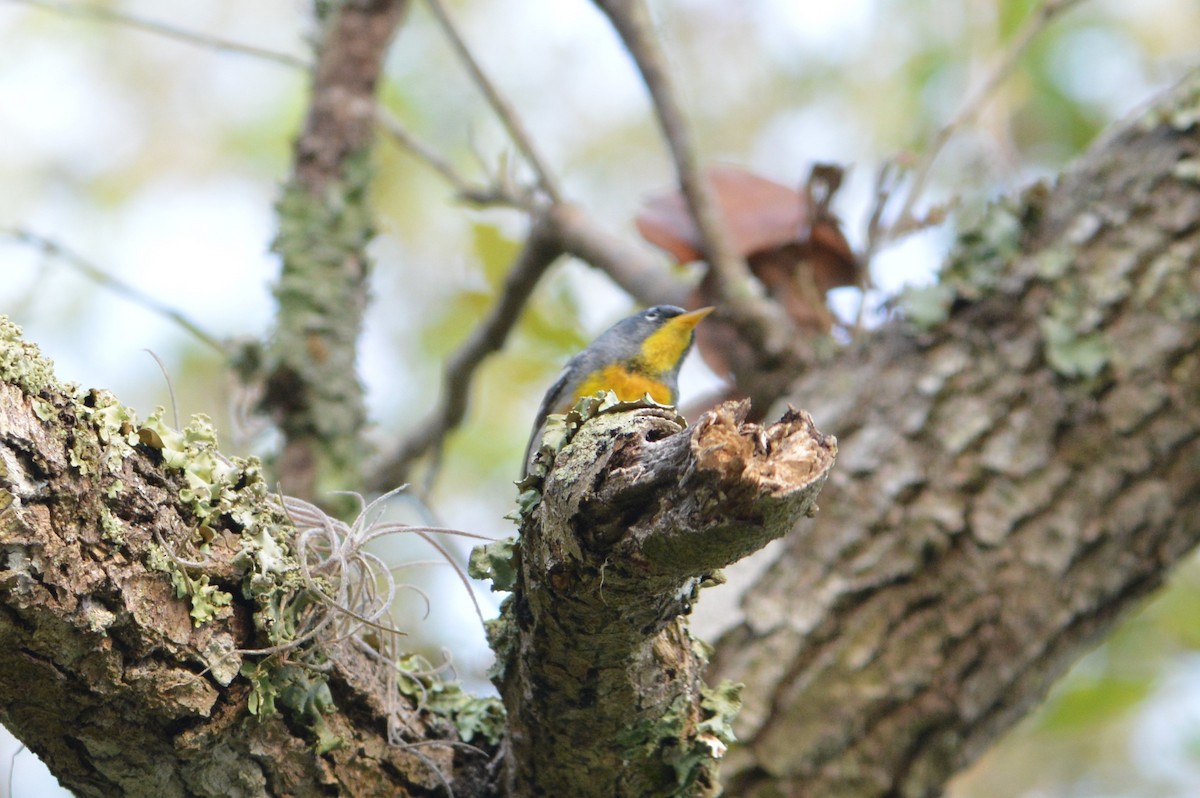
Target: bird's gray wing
(550,402)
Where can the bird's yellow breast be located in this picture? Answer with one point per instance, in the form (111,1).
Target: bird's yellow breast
(663,348)
(627,385)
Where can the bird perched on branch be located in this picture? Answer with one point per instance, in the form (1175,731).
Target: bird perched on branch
(636,356)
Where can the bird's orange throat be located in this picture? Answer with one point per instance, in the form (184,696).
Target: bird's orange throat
(627,385)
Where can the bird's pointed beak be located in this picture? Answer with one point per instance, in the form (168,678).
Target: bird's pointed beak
(690,319)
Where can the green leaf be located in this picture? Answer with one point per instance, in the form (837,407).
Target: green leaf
(1087,705)
(494,251)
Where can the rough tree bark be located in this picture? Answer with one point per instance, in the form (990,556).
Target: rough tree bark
(593,651)
(119,667)
(1012,479)
(325,223)
(1017,470)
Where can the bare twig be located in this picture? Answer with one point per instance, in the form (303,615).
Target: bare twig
(423,152)
(497,193)
(1046,13)
(102,14)
(632,22)
(541,250)
(885,185)
(503,110)
(100,277)
(643,276)
(170,386)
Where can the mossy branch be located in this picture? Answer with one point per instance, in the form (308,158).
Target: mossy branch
(600,677)
(164,633)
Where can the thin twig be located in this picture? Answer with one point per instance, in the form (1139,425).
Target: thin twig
(423,152)
(540,251)
(497,194)
(1046,13)
(631,19)
(170,386)
(645,277)
(162,29)
(118,286)
(503,110)
(475,194)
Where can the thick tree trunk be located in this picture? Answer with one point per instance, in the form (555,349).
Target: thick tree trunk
(119,662)
(1011,480)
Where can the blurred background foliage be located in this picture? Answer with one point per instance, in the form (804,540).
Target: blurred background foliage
(158,161)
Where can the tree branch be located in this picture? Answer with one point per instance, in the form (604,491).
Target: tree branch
(538,254)
(598,673)
(118,286)
(312,387)
(126,660)
(504,111)
(1043,15)
(774,352)
(631,19)
(643,276)
(101,14)
(1015,474)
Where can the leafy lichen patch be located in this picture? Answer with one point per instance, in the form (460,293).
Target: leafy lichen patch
(21,363)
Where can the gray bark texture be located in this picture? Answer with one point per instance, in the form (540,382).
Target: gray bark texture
(1019,466)
(1014,475)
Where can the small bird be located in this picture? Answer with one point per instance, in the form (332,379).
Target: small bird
(636,356)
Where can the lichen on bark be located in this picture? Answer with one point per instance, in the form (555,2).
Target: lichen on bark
(600,677)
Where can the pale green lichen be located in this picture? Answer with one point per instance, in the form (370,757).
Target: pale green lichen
(99,619)
(320,303)
(42,409)
(1073,339)
(473,716)
(21,363)
(1181,112)
(989,237)
(112,528)
(693,750)
(1053,263)
(1187,169)
(220,492)
(502,638)
(302,692)
(926,306)
(116,433)
(495,563)
(210,479)
(207,600)
(1074,354)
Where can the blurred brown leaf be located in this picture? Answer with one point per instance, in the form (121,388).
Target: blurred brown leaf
(790,238)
